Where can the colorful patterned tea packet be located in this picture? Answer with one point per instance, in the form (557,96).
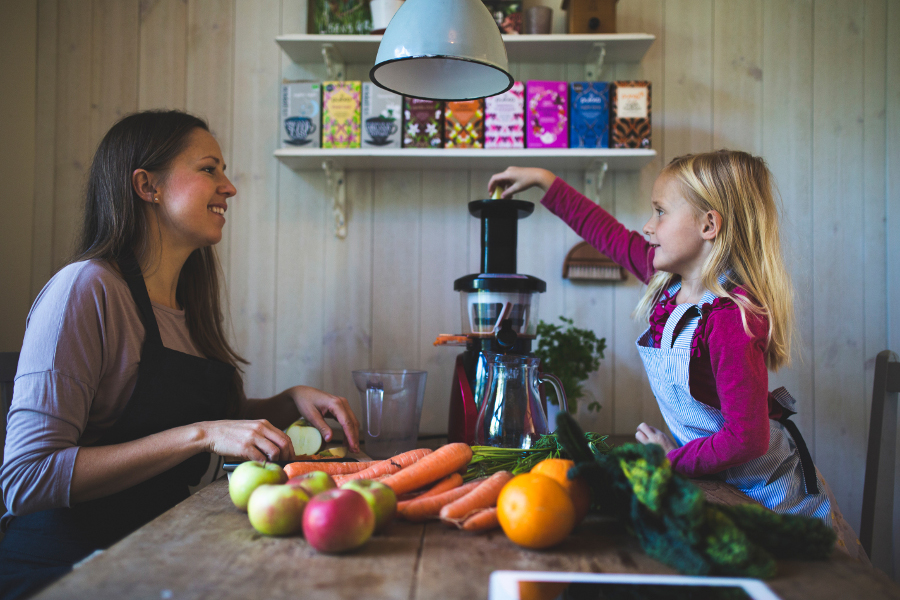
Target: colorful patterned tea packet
(341,114)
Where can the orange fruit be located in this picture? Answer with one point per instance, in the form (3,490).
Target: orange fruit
(556,469)
(535,511)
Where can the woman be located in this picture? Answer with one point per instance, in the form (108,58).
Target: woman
(126,380)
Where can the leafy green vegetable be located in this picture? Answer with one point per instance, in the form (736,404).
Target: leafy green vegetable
(571,354)
(487,460)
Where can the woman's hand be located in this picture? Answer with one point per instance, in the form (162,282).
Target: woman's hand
(518,179)
(249,439)
(315,405)
(651,435)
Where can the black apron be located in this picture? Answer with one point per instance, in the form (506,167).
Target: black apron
(172,389)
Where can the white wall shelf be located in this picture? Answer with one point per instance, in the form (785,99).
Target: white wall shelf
(552,48)
(464,159)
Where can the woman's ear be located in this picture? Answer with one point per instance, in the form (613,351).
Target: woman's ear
(712,225)
(143,187)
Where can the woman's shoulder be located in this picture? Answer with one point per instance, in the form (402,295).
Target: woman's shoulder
(88,284)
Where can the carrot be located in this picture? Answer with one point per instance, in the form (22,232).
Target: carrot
(484,496)
(437,465)
(421,509)
(296,469)
(387,467)
(444,485)
(482,520)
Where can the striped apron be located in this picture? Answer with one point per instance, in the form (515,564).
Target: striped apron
(777,479)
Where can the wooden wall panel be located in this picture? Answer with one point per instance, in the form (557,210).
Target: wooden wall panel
(787,107)
(737,75)
(633,400)
(45,137)
(18,71)
(837,291)
(163,68)
(114,80)
(73,143)
(253,241)
(688,93)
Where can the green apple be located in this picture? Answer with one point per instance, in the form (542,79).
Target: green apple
(277,509)
(306,439)
(313,483)
(380,497)
(250,475)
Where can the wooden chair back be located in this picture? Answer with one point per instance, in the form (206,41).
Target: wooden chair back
(877,524)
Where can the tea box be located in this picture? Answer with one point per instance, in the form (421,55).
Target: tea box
(301,116)
(588,114)
(504,118)
(547,107)
(423,123)
(464,124)
(341,114)
(381,117)
(630,119)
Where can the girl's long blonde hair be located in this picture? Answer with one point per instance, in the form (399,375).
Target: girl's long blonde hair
(739,187)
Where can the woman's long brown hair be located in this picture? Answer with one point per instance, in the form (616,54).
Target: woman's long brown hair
(115,220)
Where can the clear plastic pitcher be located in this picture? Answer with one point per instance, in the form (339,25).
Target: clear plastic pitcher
(391,408)
(511,415)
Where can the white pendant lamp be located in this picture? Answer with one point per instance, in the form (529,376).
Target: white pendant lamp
(442,50)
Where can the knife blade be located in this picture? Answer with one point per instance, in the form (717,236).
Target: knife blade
(231,466)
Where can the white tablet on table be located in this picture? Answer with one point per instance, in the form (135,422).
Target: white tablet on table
(546,585)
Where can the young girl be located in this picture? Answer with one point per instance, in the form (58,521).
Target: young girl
(719,307)
(125,380)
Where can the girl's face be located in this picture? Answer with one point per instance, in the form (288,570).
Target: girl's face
(675,230)
(193,196)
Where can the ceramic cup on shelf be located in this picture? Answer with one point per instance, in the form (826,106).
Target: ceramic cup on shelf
(383,11)
(538,19)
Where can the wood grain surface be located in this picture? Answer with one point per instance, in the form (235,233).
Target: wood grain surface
(206,548)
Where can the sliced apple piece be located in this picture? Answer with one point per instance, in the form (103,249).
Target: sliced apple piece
(335,452)
(306,438)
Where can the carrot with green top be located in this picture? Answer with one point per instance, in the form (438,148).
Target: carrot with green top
(386,467)
(484,496)
(422,509)
(437,465)
(482,520)
(444,485)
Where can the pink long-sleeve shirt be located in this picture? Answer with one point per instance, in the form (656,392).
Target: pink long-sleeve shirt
(727,366)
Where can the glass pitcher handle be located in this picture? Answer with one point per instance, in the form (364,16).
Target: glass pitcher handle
(558,388)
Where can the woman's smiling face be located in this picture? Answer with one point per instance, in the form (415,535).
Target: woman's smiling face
(193,194)
(674,229)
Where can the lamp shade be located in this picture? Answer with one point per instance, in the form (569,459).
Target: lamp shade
(442,50)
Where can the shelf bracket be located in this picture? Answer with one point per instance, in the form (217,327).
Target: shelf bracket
(593,66)
(334,62)
(593,179)
(338,188)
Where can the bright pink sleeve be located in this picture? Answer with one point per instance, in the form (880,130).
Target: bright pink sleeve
(600,229)
(739,367)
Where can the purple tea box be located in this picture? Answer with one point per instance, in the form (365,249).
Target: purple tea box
(423,123)
(547,108)
(589,114)
(504,118)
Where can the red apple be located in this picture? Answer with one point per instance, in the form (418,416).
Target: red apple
(250,475)
(314,483)
(277,509)
(338,520)
(380,497)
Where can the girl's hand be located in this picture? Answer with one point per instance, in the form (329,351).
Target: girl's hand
(651,435)
(518,179)
(251,440)
(315,405)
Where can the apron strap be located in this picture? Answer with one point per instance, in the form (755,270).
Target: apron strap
(787,403)
(131,270)
(673,323)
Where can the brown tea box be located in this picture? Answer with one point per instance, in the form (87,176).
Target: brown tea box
(630,114)
(464,124)
(423,123)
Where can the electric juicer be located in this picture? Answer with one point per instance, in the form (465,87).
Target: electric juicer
(499,309)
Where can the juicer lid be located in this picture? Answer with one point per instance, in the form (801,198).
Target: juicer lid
(500,282)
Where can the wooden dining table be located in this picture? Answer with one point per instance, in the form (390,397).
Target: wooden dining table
(205,548)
